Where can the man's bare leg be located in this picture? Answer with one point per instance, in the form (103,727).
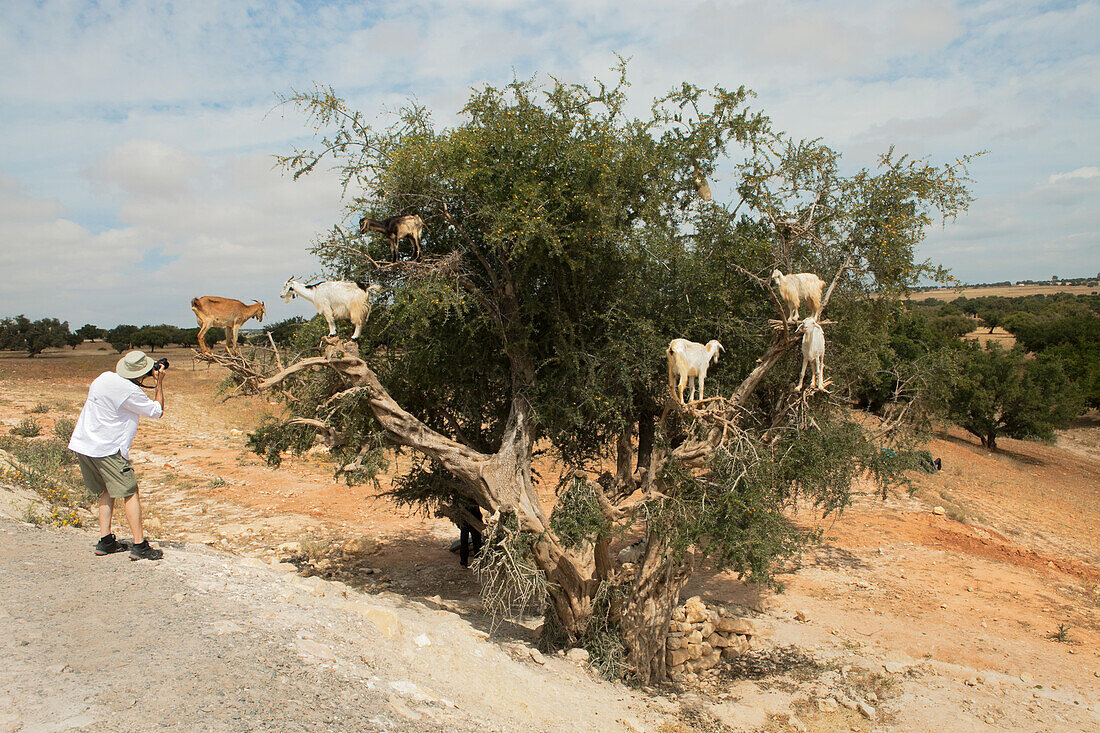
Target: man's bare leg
(132,507)
(106,509)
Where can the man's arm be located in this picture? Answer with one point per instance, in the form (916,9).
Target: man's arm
(158,392)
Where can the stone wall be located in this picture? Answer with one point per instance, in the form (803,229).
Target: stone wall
(700,637)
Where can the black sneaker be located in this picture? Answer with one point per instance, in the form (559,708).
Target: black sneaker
(145,552)
(109,545)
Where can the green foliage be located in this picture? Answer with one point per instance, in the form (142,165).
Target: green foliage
(577,517)
(40,408)
(89,332)
(737,512)
(22,334)
(1003,393)
(273,437)
(283,331)
(121,337)
(156,337)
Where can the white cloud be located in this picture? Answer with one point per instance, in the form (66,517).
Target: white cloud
(137,128)
(146,168)
(1090,171)
(239,234)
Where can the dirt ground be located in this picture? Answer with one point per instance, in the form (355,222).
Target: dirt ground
(937,621)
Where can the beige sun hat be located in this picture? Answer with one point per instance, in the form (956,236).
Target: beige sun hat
(134,364)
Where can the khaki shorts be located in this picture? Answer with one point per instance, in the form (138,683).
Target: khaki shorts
(112,474)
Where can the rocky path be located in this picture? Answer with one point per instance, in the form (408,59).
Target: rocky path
(205,641)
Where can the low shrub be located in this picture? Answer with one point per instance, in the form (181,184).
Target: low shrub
(27,428)
(46,467)
(63,429)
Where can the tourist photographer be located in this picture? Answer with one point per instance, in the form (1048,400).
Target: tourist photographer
(102,438)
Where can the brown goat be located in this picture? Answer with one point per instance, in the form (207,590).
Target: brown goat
(396,228)
(210,310)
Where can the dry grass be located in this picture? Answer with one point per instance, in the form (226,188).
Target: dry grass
(1007,291)
(999,335)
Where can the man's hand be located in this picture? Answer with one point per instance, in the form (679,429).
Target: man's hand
(158,392)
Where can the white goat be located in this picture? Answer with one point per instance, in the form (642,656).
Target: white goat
(687,359)
(793,289)
(813,353)
(335,299)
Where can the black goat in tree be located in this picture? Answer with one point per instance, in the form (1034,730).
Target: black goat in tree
(396,228)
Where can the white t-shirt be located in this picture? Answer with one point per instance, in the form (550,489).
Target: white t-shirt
(109,420)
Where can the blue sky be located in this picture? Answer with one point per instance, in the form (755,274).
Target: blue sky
(136,139)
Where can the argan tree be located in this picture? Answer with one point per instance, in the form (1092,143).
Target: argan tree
(566,244)
(20,333)
(1000,392)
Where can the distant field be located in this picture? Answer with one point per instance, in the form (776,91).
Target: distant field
(1007,291)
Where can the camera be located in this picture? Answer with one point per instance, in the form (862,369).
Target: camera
(160,364)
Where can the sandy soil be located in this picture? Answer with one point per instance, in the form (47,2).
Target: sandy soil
(939,622)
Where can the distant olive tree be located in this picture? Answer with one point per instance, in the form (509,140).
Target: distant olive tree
(22,334)
(1000,392)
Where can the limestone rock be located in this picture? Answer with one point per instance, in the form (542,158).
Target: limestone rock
(361,545)
(739,626)
(578,655)
(706,629)
(313,653)
(866,710)
(677,657)
(737,647)
(695,610)
(673,643)
(939,511)
(792,722)
(706,661)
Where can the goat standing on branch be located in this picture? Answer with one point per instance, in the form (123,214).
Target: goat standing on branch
(396,228)
(350,301)
(813,353)
(796,289)
(688,359)
(210,310)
